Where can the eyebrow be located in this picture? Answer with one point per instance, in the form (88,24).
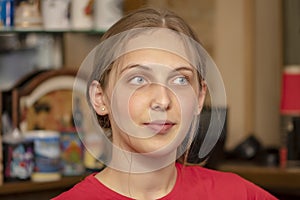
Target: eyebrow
(183,68)
(136,66)
(149,68)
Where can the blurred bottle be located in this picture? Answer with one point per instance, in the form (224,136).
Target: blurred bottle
(27,14)
(6,13)
(106,13)
(82,14)
(56,14)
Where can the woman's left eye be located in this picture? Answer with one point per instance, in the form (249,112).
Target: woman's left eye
(137,80)
(180,81)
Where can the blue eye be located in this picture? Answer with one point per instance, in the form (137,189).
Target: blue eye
(137,80)
(180,81)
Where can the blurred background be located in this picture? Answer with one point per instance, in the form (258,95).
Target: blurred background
(255,44)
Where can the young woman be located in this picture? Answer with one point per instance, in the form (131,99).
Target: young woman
(146,89)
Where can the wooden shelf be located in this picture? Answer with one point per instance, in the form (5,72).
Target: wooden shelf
(29,186)
(284,181)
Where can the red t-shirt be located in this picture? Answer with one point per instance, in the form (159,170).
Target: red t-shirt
(193,183)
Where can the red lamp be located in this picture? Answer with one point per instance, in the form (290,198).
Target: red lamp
(290,109)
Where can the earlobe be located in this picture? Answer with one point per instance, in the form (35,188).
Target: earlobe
(97,98)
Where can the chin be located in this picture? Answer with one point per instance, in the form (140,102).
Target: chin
(159,150)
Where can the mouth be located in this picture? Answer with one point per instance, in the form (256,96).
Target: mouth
(160,126)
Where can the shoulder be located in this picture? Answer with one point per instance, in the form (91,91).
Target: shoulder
(86,189)
(210,178)
(204,174)
(224,184)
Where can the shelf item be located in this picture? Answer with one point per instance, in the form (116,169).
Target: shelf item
(18,159)
(55,13)
(27,14)
(72,154)
(82,14)
(290,111)
(33,95)
(47,153)
(6,13)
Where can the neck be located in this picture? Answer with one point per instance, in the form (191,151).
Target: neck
(150,185)
(140,163)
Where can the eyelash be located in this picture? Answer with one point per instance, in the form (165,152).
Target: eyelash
(133,80)
(137,77)
(186,78)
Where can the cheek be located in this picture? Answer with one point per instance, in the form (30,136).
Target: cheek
(137,105)
(187,106)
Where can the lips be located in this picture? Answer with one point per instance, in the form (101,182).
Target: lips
(160,126)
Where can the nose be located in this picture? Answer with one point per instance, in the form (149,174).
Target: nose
(160,100)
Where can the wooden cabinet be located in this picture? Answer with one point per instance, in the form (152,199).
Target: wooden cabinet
(283,183)
(25,83)
(30,190)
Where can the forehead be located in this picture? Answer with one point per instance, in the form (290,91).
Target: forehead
(164,39)
(156,43)
(153,56)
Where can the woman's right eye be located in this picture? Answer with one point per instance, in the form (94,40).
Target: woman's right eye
(138,80)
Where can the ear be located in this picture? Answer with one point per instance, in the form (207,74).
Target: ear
(201,97)
(98,98)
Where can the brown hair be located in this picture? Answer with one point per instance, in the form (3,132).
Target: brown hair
(150,17)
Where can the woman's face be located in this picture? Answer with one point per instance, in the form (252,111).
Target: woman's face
(151,98)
